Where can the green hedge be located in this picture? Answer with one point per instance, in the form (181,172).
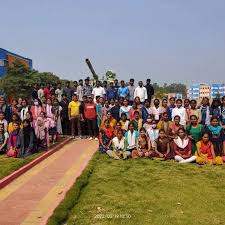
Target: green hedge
(61,213)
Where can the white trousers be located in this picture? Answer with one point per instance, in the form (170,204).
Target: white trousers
(181,160)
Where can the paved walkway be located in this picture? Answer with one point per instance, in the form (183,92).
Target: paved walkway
(31,198)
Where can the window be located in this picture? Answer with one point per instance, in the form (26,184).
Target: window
(2,63)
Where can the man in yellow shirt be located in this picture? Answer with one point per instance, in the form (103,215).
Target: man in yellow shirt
(74,115)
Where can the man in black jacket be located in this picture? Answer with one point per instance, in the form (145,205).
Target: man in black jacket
(150,89)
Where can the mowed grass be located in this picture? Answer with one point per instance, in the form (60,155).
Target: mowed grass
(9,165)
(143,191)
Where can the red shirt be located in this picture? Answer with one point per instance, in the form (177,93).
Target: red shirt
(47,93)
(90,111)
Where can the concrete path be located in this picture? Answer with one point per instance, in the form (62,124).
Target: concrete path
(32,197)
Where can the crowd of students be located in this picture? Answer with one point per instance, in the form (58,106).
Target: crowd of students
(125,120)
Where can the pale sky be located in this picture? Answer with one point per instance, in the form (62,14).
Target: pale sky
(165,40)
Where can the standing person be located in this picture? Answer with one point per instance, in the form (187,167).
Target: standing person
(150,89)
(180,111)
(205,111)
(141,92)
(164,107)
(115,110)
(99,106)
(25,144)
(68,91)
(123,91)
(41,91)
(19,105)
(156,110)
(125,108)
(182,148)
(91,115)
(111,92)
(6,109)
(186,103)
(74,89)
(171,107)
(216,136)
(194,132)
(47,92)
(131,89)
(24,109)
(124,122)
(205,152)
(105,110)
(59,92)
(216,108)
(80,90)
(34,93)
(64,115)
(116,86)
(14,107)
(193,111)
(98,91)
(146,110)
(57,109)
(74,115)
(87,87)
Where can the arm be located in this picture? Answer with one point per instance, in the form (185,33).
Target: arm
(168,148)
(4,143)
(146,95)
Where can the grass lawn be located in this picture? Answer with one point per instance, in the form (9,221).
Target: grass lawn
(139,192)
(9,165)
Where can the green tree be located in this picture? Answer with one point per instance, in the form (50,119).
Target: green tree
(110,75)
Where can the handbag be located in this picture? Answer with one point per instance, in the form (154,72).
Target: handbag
(12,153)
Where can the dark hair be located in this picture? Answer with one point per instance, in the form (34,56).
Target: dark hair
(136,112)
(193,101)
(131,79)
(123,114)
(203,133)
(214,118)
(215,100)
(223,98)
(186,99)
(142,129)
(179,100)
(172,98)
(193,116)
(206,99)
(80,80)
(162,130)
(177,116)
(2,124)
(181,128)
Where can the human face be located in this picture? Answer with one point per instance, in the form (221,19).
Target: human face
(194,120)
(122,83)
(223,102)
(154,125)
(2,116)
(156,103)
(117,102)
(2,101)
(14,118)
(177,120)
(142,133)
(20,101)
(101,100)
(49,102)
(161,134)
(147,104)
(107,104)
(112,102)
(131,127)
(25,124)
(28,115)
(179,104)
(75,98)
(149,119)
(109,116)
(15,126)
(107,124)
(24,103)
(136,116)
(120,135)
(43,99)
(137,100)
(193,104)
(165,117)
(186,104)
(205,138)
(181,134)
(14,102)
(140,83)
(118,126)
(123,118)
(172,101)
(90,100)
(215,122)
(131,83)
(86,82)
(125,102)
(164,103)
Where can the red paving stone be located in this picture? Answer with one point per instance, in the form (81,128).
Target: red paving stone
(19,204)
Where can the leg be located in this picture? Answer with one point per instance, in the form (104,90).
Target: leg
(135,154)
(72,123)
(178,158)
(109,153)
(128,154)
(189,160)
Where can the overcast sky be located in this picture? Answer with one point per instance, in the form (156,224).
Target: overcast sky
(165,40)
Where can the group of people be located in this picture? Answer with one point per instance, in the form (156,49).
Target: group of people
(126,120)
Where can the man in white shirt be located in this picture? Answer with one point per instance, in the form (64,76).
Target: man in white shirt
(180,111)
(141,92)
(98,91)
(41,91)
(80,90)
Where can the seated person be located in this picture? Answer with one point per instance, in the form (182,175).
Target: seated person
(118,146)
(153,133)
(131,139)
(25,144)
(205,152)
(175,126)
(165,124)
(143,145)
(137,121)
(4,136)
(182,148)
(162,147)
(15,118)
(105,137)
(13,136)
(124,122)
(111,120)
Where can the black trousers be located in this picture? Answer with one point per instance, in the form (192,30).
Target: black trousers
(92,124)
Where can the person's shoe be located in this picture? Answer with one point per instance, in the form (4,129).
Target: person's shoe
(90,138)
(96,139)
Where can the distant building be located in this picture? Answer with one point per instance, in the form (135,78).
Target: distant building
(175,95)
(7,58)
(198,91)
(217,90)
